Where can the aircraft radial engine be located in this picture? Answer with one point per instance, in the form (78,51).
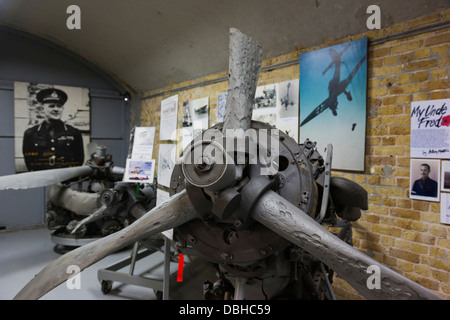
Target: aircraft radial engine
(101,204)
(227,235)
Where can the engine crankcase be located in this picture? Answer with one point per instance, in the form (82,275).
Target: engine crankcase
(235,241)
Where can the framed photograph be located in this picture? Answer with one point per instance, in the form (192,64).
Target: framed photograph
(199,110)
(52,126)
(425,179)
(445,208)
(287,106)
(445,176)
(265,104)
(195,119)
(287,99)
(333,85)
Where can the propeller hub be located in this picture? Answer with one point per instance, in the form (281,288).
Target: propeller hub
(207,165)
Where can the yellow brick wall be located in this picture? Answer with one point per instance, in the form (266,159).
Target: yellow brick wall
(402,233)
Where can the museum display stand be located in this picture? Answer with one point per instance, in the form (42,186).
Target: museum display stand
(149,278)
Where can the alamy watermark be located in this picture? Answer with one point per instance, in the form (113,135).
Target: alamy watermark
(374,20)
(74,20)
(74,280)
(374,280)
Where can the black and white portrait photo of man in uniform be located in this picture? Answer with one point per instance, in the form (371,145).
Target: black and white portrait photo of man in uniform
(54,123)
(52,143)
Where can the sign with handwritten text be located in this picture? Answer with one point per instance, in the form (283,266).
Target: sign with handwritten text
(430,129)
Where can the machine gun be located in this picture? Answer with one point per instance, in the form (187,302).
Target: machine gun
(257,215)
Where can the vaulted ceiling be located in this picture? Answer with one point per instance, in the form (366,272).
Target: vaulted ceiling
(149,44)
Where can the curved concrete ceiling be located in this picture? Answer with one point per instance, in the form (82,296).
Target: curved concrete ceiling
(149,44)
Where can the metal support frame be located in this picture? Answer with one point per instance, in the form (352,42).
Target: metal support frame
(239,291)
(160,284)
(166,276)
(327,281)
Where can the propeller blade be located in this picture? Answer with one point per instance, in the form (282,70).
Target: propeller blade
(244,64)
(174,212)
(96,215)
(293,224)
(41,178)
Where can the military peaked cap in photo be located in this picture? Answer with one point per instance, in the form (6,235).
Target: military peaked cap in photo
(51,95)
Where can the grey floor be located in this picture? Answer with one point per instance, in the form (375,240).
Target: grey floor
(24,253)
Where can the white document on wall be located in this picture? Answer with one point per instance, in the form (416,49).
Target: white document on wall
(187,136)
(265,104)
(162,196)
(143,142)
(445,208)
(430,129)
(221,102)
(166,163)
(289,126)
(168,124)
(287,99)
(199,111)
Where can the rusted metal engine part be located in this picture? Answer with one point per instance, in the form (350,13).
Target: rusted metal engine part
(99,204)
(227,235)
(87,214)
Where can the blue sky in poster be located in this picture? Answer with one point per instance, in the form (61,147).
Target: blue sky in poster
(346,130)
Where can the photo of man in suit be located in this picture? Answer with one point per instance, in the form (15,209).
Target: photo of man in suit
(424,176)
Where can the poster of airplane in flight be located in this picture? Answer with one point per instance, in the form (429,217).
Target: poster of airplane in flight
(333,85)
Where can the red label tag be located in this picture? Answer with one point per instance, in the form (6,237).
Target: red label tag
(180,267)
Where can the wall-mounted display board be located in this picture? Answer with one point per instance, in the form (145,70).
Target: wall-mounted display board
(445,197)
(168,124)
(51,126)
(288,108)
(333,85)
(139,171)
(143,140)
(140,167)
(445,208)
(430,142)
(161,196)
(430,129)
(265,105)
(221,101)
(166,163)
(195,118)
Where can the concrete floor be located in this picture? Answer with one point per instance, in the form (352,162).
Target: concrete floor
(24,253)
